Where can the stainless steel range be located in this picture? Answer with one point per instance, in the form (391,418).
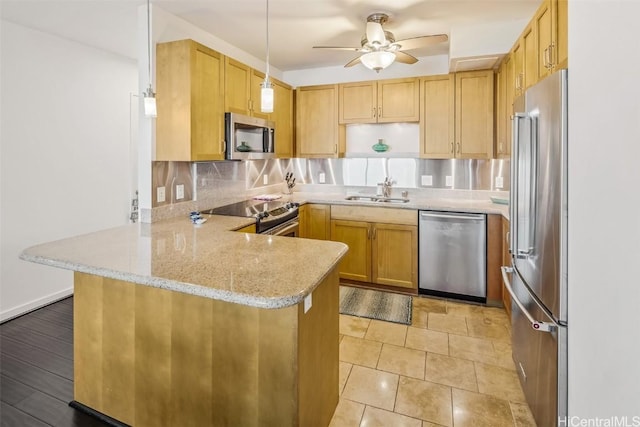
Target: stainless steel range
(276,217)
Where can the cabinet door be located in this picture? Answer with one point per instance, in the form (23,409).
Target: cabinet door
(358,102)
(517,57)
(437,100)
(560,48)
(255,99)
(237,85)
(283,117)
(398,100)
(317,222)
(356,264)
(395,255)
(317,121)
(543,28)
(190,86)
(530,59)
(474,114)
(501,110)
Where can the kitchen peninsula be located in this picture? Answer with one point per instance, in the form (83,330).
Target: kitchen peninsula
(177,324)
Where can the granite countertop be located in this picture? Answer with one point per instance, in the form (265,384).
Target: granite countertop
(416,202)
(205,260)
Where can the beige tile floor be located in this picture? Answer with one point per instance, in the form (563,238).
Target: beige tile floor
(451,367)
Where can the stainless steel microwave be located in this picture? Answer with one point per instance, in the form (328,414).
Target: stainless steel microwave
(248,137)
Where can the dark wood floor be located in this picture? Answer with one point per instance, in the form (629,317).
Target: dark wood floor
(36,369)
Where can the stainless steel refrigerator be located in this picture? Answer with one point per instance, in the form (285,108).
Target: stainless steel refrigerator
(537,277)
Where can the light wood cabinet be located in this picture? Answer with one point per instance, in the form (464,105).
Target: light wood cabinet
(190,100)
(474,115)
(382,244)
(315,221)
(561,20)
(437,127)
(518,68)
(282,116)
(502,148)
(255,98)
(382,101)
(457,115)
(529,57)
(542,22)
(317,130)
(237,85)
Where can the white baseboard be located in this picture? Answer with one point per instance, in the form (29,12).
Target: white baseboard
(35,304)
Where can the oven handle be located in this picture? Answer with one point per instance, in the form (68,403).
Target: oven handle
(284,228)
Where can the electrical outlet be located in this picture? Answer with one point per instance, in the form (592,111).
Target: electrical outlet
(426,180)
(322,178)
(448,181)
(180,191)
(307,303)
(499,182)
(265,179)
(160,194)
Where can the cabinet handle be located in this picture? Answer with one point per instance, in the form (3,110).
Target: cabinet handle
(374,233)
(250,104)
(458,147)
(452,148)
(368,233)
(335,148)
(545,58)
(552,63)
(224,146)
(379,112)
(374,112)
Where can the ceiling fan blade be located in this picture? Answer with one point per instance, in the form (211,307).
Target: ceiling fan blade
(405,58)
(375,33)
(352,49)
(352,62)
(419,42)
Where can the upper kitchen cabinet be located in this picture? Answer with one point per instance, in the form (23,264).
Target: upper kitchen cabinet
(317,130)
(237,87)
(457,115)
(503,138)
(382,101)
(474,115)
(437,127)
(190,100)
(242,89)
(551,26)
(283,117)
(529,58)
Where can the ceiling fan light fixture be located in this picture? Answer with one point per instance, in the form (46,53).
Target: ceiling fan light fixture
(378,60)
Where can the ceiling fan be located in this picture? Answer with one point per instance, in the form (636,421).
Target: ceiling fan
(379,47)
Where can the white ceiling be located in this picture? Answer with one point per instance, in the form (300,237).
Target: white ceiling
(295,25)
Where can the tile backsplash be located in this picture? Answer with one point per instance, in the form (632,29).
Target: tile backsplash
(213,184)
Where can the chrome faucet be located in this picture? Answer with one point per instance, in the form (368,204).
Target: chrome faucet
(386,187)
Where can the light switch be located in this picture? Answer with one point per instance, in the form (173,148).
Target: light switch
(426,180)
(448,181)
(265,179)
(180,191)
(322,178)
(499,182)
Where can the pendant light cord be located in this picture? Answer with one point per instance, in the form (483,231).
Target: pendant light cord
(267,77)
(149,40)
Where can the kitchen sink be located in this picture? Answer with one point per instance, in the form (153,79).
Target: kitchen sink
(376,199)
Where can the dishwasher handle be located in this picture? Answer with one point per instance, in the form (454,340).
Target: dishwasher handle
(465,217)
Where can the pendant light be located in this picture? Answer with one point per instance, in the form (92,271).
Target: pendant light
(266,93)
(149,95)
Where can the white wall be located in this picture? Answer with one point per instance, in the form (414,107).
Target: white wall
(65,154)
(604,210)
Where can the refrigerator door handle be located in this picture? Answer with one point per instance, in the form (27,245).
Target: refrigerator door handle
(535,324)
(513,202)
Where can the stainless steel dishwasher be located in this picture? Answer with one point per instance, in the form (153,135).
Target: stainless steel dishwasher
(453,255)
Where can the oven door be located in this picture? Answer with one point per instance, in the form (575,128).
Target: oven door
(287,229)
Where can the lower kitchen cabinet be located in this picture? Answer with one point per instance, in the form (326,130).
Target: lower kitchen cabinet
(383,253)
(315,221)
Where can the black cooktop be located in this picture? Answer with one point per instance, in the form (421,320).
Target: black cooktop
(248,208)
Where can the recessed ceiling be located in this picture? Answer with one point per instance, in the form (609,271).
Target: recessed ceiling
(295,25)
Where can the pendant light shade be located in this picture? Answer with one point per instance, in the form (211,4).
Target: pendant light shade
(149,95)
(266,93)
(378,60)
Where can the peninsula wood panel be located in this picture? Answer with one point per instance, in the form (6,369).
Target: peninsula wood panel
(178,359)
